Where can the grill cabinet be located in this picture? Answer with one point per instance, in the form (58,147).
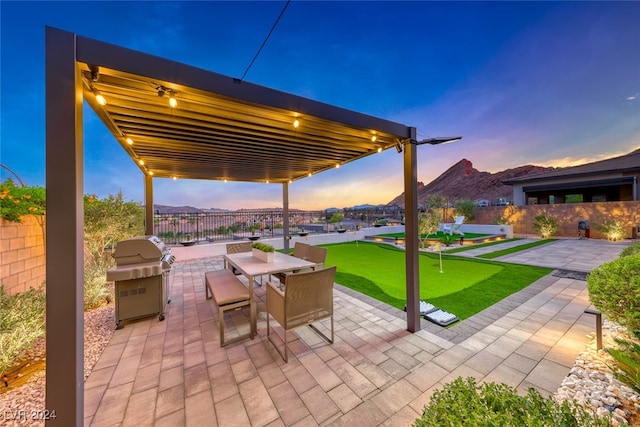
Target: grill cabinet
(141,277)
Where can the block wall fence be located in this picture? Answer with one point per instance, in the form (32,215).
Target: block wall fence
(23,259)
(22,253)
(567,215)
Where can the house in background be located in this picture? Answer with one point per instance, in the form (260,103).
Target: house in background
(610,180)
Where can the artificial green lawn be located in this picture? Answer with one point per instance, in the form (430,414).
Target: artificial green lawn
(466,286)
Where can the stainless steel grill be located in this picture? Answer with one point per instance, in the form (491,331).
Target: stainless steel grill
(141,277)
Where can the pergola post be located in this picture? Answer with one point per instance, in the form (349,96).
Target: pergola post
(285,216)
(64,231)
(411,233)
(148,205)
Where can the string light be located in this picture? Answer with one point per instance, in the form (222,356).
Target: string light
(172,99)
(129,141)
(373,138)
(296,123)
(99,98)
(141,162)
(379,149)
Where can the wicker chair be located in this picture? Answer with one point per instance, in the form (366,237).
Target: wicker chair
(306,298)
(236,248)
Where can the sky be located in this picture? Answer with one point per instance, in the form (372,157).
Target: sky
(544,83)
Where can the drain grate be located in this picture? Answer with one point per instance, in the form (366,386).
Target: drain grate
(571,274)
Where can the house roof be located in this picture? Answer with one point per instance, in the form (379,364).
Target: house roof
(622,164)
(221,128)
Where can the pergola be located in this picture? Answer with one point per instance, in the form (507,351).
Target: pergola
(220,129)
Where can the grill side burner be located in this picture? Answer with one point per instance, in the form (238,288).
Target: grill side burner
(141,276)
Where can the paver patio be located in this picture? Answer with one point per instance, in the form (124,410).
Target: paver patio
(175,373)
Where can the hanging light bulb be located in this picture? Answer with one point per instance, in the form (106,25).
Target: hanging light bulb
(99,98)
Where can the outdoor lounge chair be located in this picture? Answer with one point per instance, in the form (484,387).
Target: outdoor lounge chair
(306,298)
(455,227)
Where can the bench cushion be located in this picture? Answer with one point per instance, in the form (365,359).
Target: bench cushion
(226,287)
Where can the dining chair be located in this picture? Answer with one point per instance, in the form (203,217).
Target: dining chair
(306,298)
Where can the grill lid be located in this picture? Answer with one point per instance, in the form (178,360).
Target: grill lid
(141,249)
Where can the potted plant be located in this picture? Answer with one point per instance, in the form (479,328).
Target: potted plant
(302,232)
(252,229)
(263,251)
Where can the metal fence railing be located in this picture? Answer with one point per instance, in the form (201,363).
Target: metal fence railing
(192,228)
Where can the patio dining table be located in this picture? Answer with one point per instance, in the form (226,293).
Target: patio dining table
(251,268)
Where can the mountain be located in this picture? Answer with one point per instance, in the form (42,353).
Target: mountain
(163,209)
(463,181)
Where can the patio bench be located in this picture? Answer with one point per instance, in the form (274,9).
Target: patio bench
(229,293)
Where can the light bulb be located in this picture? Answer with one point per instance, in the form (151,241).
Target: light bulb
(296,123)
(172,101)
(129,141)
(100,99)
(141,162)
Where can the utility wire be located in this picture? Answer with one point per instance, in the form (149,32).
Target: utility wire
(265,41)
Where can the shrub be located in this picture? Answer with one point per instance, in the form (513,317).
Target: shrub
(22,322)
(611,228)
(631,250)
(627,362)
(614,289)
(16,202)
(464,403)
(448,239)
(106,222)
(263,247)
(545,226)
(466,208)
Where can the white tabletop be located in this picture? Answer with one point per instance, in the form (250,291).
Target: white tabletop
(250,266)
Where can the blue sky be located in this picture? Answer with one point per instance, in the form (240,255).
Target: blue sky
(545,83)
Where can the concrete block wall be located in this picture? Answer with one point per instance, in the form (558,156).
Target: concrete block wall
(22,254)
(568,215)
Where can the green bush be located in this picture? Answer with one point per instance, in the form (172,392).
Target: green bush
(611,228)
(263,247)
(464,403)
(614,289)
(22,322)
(627,361)
(448,239)
(545,226)
(466,208)
(631,250)
(16,202)
(106,222)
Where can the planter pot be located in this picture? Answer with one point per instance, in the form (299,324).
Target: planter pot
(341,230)
(263,256)
(303,233)
(253,238)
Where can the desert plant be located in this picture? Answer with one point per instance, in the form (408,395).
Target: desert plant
(466,208)
(627,361)
(464,403)
(631,250)
(614,289)
(22,322)
(613,229)
(448,239)
(264,247)
(545,226)
(428,223)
